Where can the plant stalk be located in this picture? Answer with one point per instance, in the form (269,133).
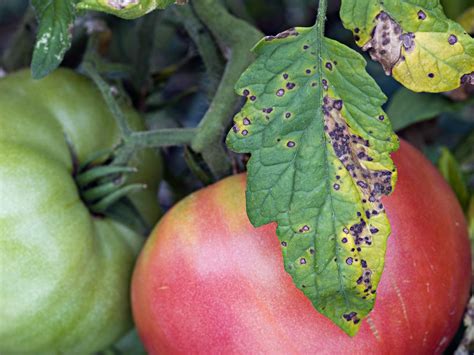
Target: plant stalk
(236,37)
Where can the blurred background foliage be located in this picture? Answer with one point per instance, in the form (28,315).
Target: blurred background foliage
(162,72)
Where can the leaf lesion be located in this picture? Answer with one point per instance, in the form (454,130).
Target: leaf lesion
(406,37)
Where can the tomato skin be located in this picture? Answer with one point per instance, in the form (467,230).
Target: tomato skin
(64,274)
(208,282)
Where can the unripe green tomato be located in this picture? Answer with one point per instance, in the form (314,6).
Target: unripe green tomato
(64,272)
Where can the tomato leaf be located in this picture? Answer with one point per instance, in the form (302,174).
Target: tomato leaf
(466,20)
(414,41)
(407,108)
(320,145)
(452,173)
(54,37)
(127,9)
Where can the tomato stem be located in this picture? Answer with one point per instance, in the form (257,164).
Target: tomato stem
(208,50)
(237,37)
(104,88)
(321,18)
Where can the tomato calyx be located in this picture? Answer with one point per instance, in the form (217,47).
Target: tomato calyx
(103,185)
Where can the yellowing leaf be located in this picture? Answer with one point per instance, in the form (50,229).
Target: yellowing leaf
(320,145)
(127,9)
(414,41)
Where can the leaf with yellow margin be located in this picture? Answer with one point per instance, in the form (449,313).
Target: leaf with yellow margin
(414,41)
(320,145)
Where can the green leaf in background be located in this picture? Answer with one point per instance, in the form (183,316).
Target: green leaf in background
(414,41)
(467,20)
(407,107)
(55,19)
(127,9)
(320,164)
(454,8)
(452,173)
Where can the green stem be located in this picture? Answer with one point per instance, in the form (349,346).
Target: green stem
(114,107)
(321,19)
(238,37)
(162,137)
(153,139)
(205,44)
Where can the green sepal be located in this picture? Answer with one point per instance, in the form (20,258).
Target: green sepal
(414,41)
(320,145)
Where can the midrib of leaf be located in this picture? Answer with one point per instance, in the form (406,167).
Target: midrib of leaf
(319,34)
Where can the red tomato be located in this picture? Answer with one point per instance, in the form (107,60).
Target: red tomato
(208,282)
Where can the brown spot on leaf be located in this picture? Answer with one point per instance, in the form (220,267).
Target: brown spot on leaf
(353,152)
(466,89)
(387,41)
(421,15)
(282,35)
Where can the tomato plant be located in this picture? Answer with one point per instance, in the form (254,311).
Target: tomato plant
(207,281)
(64,269)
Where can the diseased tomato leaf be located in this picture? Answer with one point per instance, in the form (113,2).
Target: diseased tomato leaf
(320,145)
(414,41)
(54,37)
(127,9)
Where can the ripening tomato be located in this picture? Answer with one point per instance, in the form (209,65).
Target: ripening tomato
(208,282)
(64,271)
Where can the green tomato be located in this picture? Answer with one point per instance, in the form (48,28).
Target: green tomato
(64,273)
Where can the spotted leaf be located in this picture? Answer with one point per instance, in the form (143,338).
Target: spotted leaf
(54,37)
(320,164)
(127,9)
(414,41)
